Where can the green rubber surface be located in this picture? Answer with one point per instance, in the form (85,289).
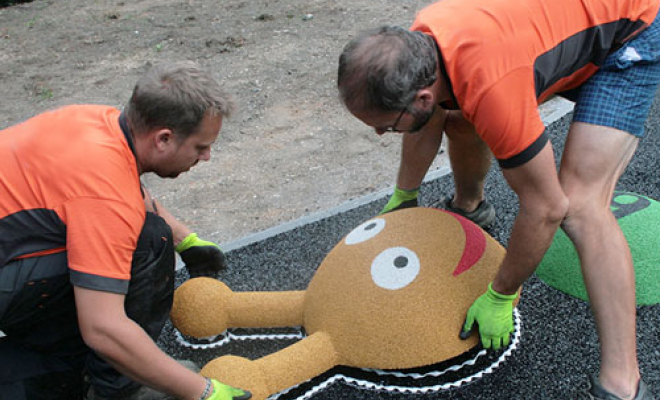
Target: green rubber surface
(639,218)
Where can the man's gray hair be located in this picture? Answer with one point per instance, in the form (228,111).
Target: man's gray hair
(176,96)
(382,69)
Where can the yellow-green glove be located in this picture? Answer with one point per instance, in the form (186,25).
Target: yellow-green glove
(225,392)
(493,313)
(401,199)
(202,258)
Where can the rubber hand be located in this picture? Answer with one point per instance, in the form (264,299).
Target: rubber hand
(493,313)
(202,258)
(225,392)
(401,199)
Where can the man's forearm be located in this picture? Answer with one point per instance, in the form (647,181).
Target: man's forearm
(123,343)
(543,206)
(132,352)
(530,238)
(418,150)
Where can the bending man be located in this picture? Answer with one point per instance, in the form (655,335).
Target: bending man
(86,257)
(477,71)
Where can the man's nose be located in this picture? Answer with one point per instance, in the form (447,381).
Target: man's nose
(205,155)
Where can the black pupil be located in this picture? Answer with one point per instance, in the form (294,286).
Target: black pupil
(370,226)
(401,262)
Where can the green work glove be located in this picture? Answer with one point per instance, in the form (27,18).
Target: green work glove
(401,199)
(202,258)
(225,392)
(493,312)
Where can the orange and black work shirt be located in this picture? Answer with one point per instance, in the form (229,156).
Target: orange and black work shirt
(69,182)
(504,57)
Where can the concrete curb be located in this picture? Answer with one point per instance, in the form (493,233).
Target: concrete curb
(551,111)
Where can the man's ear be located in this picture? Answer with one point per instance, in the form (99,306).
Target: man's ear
(163,138)
(424,99)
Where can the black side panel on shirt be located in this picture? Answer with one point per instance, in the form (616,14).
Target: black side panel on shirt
(592,45)
(30,231)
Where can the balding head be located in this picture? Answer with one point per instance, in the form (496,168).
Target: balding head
(382,69)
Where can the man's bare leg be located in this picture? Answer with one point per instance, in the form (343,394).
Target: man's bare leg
(470,160)
(593,160)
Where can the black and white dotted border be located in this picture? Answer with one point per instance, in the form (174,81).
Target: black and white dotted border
(361,383)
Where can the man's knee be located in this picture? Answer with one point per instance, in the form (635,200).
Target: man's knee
(149,298)
(586,214)
(155,240)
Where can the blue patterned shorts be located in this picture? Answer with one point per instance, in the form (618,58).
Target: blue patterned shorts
(621,93)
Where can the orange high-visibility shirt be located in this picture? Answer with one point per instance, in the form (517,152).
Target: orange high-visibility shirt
(69,182)
(504,57)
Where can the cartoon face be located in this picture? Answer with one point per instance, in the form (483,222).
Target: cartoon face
(394,292)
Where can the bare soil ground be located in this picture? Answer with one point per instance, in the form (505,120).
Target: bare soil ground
(291,150)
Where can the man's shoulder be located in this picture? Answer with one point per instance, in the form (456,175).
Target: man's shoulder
(92,155)
(75,112)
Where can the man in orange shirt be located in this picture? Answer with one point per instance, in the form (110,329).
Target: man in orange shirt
(87,256)
(477,71)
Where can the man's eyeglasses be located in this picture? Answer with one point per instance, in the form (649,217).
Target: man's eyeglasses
(393,127)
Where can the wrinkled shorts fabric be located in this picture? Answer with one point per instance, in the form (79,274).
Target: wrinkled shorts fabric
(621,93)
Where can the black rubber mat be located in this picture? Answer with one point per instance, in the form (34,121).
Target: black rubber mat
(557,347)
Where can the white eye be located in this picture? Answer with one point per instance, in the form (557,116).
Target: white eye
(365,231)
(395,268)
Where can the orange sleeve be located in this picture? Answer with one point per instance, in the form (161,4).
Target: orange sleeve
(102,236)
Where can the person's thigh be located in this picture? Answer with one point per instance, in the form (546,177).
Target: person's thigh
(610,112)
(26,374)
(593,160)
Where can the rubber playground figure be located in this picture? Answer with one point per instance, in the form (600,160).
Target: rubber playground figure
(391,295)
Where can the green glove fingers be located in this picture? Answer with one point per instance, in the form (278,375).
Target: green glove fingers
(401,199)
(202,258)
(493,313)
(466,332)
(192,241)
(226,392)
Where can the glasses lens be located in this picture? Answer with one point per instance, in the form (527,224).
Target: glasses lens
(393,127)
